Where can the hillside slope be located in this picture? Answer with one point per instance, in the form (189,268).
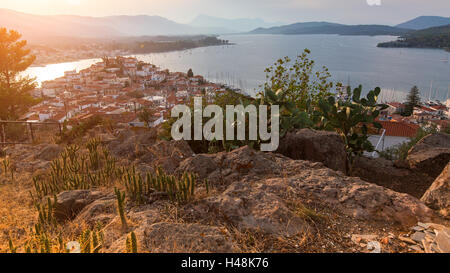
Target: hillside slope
(331,28)
(38,26)
(436,37)
(424,22)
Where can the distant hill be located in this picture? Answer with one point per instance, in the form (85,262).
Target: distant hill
(436,37)
(230,25)
(331,28)
(38,26)
(424,22)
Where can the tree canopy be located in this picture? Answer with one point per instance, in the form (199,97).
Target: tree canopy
(413,100)
(190,74)
(15,97)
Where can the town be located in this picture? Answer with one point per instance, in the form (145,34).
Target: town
(119,88)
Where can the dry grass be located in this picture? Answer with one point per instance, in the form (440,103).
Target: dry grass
(17,213)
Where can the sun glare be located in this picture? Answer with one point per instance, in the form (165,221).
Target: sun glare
(74,2)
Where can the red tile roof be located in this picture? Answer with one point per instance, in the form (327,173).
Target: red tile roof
(399,129)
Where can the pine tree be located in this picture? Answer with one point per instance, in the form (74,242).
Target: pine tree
(190,74)
(413,100)
(15,89)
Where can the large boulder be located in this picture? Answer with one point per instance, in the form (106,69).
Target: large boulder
(361,200)
(438,195)
(70,203)
(166,237)
(385,173)
(167,154)
(100,211)
(261,187)
(257,206)
(317,146)
(430,155)
(49,152)
(227,167)
(131,144)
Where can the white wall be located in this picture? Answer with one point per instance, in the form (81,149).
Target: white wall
(389,141)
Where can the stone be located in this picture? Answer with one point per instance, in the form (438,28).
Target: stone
(384,173)
(100,211)
(438,195)
(374,246)
(427,246)
(367,238)
(49,152)
(168,154)
(417,228)
(248,170)
(229,167)
(318,146)
(425,226)
(416,248)
(201,164)
(70,203)
(179,238)
(418,236)
(406,240)
(430,155)
(443,242)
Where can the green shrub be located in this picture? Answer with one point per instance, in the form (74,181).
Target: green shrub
(352,120)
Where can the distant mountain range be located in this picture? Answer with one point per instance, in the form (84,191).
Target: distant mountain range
(331,28)
(231,25)
(40,27)
(418,23)
(424,22)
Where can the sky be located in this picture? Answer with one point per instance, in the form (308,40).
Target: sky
(287,11)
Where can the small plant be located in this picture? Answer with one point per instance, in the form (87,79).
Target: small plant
(12,248)
(91,241)
(307,213)
(131,243)
(180,190)
(352,120)
(46,219)
(6,163)
(121,207)
(94,156)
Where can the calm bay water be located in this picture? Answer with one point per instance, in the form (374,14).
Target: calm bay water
(354,59)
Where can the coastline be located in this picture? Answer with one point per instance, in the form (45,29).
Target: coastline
(70,60)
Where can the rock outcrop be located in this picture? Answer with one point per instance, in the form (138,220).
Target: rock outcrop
(259,183)
(30,158)
(225,168)
(430,155)
(387,174)
(438,195)
(167,154)
(70,203)
(317,146)
(49,152)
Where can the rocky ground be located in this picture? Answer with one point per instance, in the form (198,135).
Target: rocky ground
(295,200)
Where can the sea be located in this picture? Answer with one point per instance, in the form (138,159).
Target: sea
(351,60)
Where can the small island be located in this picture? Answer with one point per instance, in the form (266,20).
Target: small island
(436,37)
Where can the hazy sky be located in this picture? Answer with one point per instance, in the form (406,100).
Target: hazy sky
(342,11)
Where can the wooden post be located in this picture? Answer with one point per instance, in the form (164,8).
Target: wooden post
(3,133)
(31,132)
